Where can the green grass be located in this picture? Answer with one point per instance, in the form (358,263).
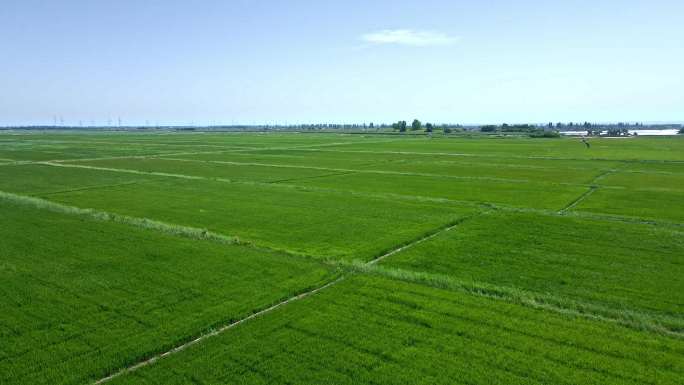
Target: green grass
(52,150)
(519,194)
(34,179)
(371,330)
(348,156)
(616,264)
(634,149)
(665,167)
(82,298)
(322,224)
(209,170)
(646,181)
(137,242)
(665,205)
(455,166)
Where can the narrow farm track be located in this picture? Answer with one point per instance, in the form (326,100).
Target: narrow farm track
(664,325)
(540,157)
(141,144)
(222,329)
(194,233)
(216,332)
(407,197)
(424,238)
(86,188)
(502,293)
(312,177)
(131,156)
(227,149)
(579,200)
(592,188)
(363,171)
(563,211)
(441,161)
(155,155)
(183,231)
(602,175)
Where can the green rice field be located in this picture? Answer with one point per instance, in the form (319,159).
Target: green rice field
(326,258)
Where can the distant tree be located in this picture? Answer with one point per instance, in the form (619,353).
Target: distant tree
(681,131)
(428,127)
(488,128)
(550,125)
(370,125)
(559,125)
(399,126)
(447,130)
(544,134)
(416,125)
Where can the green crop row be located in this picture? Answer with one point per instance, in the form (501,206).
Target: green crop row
(623,265)
(82,298)
(372,330)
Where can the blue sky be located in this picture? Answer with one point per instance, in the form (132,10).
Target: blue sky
(203,62)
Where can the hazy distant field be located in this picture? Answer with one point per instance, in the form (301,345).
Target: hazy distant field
(526,260)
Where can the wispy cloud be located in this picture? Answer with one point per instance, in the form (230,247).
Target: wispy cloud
(409,37)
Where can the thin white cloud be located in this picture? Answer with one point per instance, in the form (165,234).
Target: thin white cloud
(409,37)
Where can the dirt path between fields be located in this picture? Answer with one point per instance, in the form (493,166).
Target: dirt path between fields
(267,310)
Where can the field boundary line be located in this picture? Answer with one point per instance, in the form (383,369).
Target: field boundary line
(633,319)
(170,157)
(578,200)
(302,147)
(312,177)
(189,232)
(127,171)
(503,157)
(145,223)
(48,142)
(128,157)
(17,163)
(232,149)
(505,165)
(94,187)
(602,175)
(424,238)
(370,171)
(179,348)
(216,332)
(406,197)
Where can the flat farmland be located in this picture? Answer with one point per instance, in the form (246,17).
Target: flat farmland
(82,297)
(270,258)
(375,330)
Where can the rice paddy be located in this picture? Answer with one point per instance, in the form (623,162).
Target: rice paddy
(131,258)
